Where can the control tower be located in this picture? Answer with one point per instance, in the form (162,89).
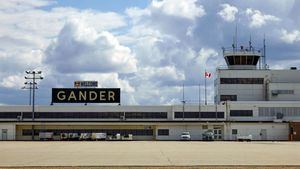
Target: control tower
(243,57)
(248,78)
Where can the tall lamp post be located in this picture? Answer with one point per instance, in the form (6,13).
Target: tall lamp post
(28,85)
(33,75)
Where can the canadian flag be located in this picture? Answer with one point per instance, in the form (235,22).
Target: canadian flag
(207,74)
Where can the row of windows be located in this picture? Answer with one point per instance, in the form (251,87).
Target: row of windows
(163,132)
(242,60)
(273,111)
(104,115)
(241,113)
(199,115)
(241,80)
(276,92)
(144,115)
(228,97)
(135,132)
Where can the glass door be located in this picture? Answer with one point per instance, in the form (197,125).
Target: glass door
(4,134)
(217,133)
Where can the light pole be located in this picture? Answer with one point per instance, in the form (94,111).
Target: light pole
(33,75)
(29,86)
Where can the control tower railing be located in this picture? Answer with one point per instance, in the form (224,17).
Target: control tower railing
(242,51)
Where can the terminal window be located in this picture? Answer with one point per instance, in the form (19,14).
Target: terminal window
(228,97)
(241,80)
(191,115)
(163,132)
(241,113)
(86,115)
(234,131)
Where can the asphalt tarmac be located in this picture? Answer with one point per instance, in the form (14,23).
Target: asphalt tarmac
(159,154)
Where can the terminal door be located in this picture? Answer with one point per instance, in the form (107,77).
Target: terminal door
(4,134)
(218,133)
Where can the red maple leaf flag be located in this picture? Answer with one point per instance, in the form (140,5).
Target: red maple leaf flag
(207,74)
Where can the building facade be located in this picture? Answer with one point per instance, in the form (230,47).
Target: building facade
(270,120)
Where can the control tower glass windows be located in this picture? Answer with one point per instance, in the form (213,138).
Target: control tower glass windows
(242,60)
(241,80)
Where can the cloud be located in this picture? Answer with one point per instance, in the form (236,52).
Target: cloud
(290,37)
(228,12)
(164,76)
(136,14)
(20,5)
(108,80)
(258,19)
(80,48)
(185,9)
(14,81)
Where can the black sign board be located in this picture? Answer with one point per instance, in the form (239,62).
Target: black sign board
(85,95)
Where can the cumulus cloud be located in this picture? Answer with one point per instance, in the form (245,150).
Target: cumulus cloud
(136,14)
(108,80)
(20,5)
(228,12)
(290,37)
(167,75)
(80,48)
(13,81)
(258,19)
(185,9)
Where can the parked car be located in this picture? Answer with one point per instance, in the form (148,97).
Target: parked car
(208,136)
(185,136)
(64,136)
(46,135)
(85,136)
(98,136)
(73,136)
(244,138)
(114,137)
(127,137)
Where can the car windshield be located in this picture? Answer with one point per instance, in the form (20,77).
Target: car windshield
(185,133)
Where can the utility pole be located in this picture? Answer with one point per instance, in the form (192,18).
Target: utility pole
(33,75)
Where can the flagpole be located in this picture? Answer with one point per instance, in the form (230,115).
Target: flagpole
(200,98)
(183,101)
(205,87)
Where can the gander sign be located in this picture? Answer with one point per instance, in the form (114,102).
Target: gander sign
(85,95)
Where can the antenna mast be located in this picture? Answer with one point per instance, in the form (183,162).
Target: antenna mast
(236,46)
(265,64)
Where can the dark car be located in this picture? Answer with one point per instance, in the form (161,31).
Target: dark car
(208,136)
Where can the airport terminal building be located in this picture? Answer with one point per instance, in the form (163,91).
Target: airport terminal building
(250,99)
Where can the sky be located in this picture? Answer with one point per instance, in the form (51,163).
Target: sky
(148,48)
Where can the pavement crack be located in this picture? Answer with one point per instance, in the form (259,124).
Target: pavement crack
(163,154)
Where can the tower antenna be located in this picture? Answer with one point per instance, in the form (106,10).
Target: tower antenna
(236,35)
(265,64)
(250,43)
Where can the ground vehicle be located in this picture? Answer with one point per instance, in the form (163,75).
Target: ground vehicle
(185,136)
(46,135)
(127,137)
(114,137)
(208,135)
(85,136)
(64,136)
(98,136)
(244,138)
(73,136)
